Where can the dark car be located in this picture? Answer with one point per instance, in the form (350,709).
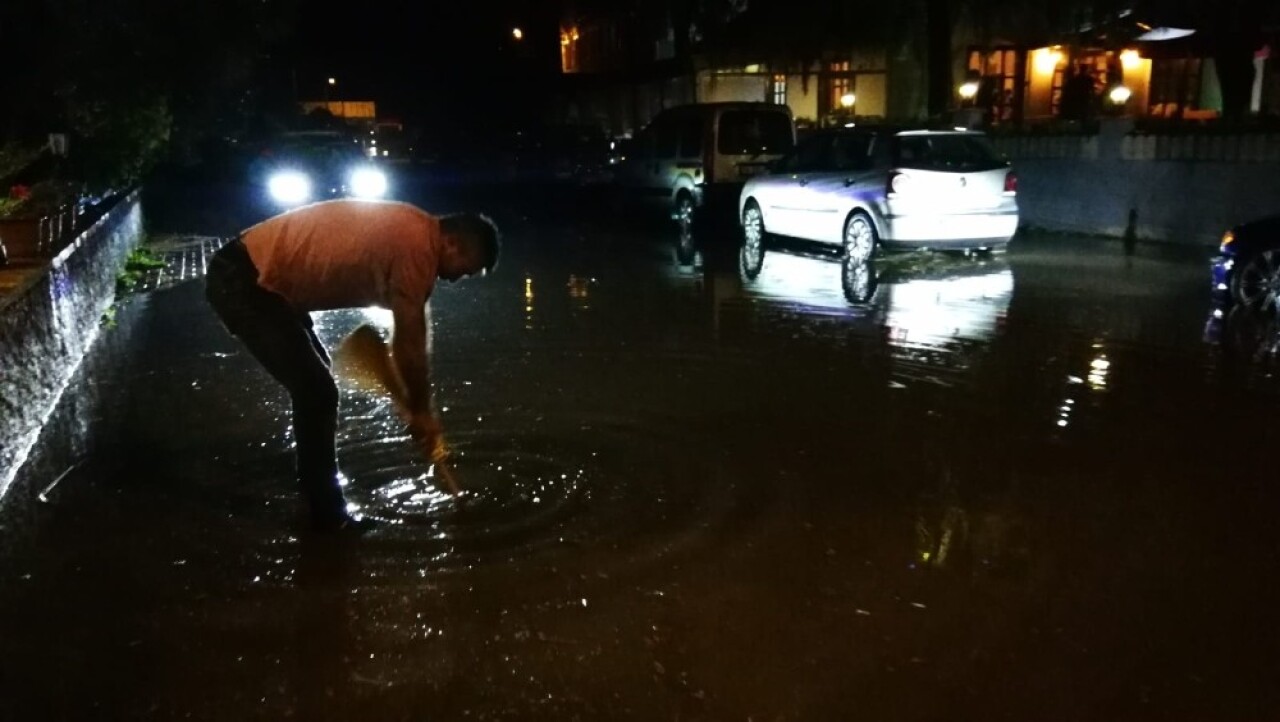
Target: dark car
(302,167)
(1247,268)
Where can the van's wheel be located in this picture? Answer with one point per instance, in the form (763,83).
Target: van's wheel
(751,255)
(859,238)
(1256,281)
(686,246)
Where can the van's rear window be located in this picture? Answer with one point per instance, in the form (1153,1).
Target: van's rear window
(957,152)
(754,132)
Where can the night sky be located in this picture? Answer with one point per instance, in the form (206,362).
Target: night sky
(426,61)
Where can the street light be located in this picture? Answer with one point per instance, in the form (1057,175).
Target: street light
(517,33)
(1120,94)
(333,81)
(847,100)
(968,90)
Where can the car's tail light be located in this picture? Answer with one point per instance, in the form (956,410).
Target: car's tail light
(1010,182)
(896,183)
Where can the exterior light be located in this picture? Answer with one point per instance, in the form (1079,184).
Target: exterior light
(847,100)
(968,89)
(1130,60)
(289,188)
(368,183)
(1047,60)
(1120,94)
(333,81)
(517,33)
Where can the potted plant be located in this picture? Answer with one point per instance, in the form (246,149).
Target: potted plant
(34,220)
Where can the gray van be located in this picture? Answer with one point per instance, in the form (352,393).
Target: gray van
(692,157)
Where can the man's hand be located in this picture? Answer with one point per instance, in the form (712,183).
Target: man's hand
(429,434)
(426,430)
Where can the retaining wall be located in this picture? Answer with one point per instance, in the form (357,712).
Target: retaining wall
(1184,189)
(48,323)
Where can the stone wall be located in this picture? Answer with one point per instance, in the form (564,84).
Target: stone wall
(48,323)
(1185,188)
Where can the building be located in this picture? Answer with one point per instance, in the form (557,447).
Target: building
(829,63)
(1020,85)
(622,64)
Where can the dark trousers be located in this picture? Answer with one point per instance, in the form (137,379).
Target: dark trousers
(283,340)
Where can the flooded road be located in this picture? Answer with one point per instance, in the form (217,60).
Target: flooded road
(1017,487)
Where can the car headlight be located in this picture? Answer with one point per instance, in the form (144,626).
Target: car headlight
(289,187)
(368,183)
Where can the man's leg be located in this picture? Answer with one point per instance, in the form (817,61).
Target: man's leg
(282,341)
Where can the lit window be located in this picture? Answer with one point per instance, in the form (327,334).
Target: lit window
(569,50)
(841,82)
(778,90)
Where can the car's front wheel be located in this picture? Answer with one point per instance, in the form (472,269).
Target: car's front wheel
(859,238)
(1256,281)
(751,255)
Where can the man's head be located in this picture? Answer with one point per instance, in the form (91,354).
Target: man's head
(470,245)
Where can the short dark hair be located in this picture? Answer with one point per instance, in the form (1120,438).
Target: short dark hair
(478,231)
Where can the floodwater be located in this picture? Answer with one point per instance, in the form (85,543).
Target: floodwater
(1018,487)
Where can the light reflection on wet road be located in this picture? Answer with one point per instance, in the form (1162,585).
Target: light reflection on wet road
(1019,487)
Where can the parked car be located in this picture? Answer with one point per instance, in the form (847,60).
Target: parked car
(859,188)
(306,166)
(1247,268)
(693,158)
(572,154)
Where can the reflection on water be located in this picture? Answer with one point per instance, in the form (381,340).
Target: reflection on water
(932,311)
(960,299)
(987,536)
(580,291)
(376,316)
(529,304)
(1249,341)
(931,321)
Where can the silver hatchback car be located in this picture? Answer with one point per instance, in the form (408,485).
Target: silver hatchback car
(862,187)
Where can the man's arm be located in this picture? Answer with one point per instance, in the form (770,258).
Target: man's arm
(409,353)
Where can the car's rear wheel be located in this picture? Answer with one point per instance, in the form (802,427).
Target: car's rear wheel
(686,246)
(859,238)
(1256,280)
(751,255)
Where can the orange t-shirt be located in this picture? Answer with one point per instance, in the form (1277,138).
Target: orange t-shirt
(347,254)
